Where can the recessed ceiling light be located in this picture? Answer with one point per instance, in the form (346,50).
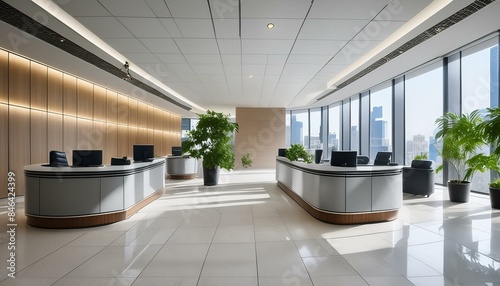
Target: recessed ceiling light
(250,76)
(270,25)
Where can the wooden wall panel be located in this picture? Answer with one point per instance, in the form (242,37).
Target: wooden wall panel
(123,144)
(112,106)
(69,95)
(4,148)
(111,143)
(85,99)
(38,86)
(142,114)
(158,119)
(39,152)
(132,120)
(99,131)
(69,137)
(151,137)
(123,109)
(261,133)
(54,132)
(132,139)
(19,144)
(100,99)
(166,146)
(4,76)
(157,141)
(19,81)
(85,139)
(151,117)
(55,91)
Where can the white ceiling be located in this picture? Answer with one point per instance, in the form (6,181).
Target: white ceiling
(195,47)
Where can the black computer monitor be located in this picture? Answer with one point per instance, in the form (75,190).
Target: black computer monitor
(382,158)
(87,158)
(176,151)
(344,158)
(144,153)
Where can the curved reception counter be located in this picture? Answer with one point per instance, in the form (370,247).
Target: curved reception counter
(181,167)
(69,197)
(343,195)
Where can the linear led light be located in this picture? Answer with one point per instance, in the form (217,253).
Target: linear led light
(76,26)
(413,23)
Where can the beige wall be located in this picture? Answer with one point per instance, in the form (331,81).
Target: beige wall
(43,109)
(261,133)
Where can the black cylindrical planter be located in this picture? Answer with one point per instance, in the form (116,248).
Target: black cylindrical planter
(495,198)
(459,192)
(317,155)
(210,176)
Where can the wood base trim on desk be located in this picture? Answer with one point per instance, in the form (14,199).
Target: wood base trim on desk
(340,218)
(90,220)
(182,177)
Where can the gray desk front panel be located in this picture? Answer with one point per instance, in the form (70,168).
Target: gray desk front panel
(111,194)
(57,199)
(358,194)
(387,192)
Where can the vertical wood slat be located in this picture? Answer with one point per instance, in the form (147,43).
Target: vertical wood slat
(99,130)
(54,132)
(100,99)
(142,114)
(55,91)
(123,141)
(4,148)
(85,99)
(122,109)
(19,144)
(4,76)
(19,81)
(132,140)
(85,139)
(111,142)
(69,137)
(38,140)
(111,106)
(132,120)
(69,95)
(38,86)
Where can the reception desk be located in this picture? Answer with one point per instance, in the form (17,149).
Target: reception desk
(67,197)
(181,167)
(343,195)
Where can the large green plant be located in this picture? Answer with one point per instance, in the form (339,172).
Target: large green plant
(461,137)
(211,140)
(491,129)
(296,152)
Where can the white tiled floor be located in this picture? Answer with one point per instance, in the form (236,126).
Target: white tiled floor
(246,231)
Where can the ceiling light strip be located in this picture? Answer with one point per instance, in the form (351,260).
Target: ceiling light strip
(424,36)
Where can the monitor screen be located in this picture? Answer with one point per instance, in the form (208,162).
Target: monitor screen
(344,158)
(144,153)
(87,158)
(382,158)
(176,151)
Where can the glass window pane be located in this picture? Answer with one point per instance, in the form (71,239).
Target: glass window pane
(315,129)
(380,120)
(355,123)
(423,104)
(300,128)
(478,68)
(287,129)
(334,128)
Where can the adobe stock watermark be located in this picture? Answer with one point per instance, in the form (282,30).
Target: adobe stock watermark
(366,35)
(11,224)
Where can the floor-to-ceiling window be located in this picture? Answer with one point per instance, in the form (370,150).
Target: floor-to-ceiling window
(479,67)
(423,104)
(354,123)
(300,128)
(287,128)
(315,128)
(380,119)
(334,128)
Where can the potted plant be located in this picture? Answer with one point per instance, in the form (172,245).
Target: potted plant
(211,141)
(491,129)
(296,152)
(246,161)
(461,137)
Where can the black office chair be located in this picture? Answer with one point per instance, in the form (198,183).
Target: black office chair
(382,159)
(419,178)
(363,159)
(57,159)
